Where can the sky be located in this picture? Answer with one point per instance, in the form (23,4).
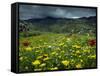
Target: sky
(37,11)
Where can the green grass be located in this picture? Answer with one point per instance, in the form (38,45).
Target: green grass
(51,51)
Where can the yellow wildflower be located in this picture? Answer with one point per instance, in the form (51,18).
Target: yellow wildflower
(36,62)
(55,68)
(47,58)
(61,44)
(72,60)
(53,53)
(49,46)
(37,51)
(65,62)
(81,60)
(76,46)
(79,56)
(28,49)
(78,66)
(87,51)
(45,43)
(39,57)
(62,51)
(45,55)
(92,56)
(68,39)
(21,58)
(59,56)
(77,52)
(43,64)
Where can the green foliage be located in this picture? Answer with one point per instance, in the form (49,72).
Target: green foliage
(32,33)
(57,44)
(61,25)
(56,52)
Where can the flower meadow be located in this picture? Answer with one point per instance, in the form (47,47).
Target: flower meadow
(49,52)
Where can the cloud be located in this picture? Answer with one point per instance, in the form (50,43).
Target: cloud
(36,11)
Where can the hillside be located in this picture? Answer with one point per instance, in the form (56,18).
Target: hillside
(61,25)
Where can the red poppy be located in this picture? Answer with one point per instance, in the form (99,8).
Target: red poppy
(92,42)
(26,43)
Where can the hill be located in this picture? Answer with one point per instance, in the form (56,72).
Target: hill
(61,25)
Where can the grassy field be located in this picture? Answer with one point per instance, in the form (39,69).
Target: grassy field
(56,52)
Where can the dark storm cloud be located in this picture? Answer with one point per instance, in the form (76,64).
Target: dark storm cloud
(34,11)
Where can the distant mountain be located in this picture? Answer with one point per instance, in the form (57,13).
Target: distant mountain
(50,20)
(61,24)
(49,17)
(91,18)
(46,19)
